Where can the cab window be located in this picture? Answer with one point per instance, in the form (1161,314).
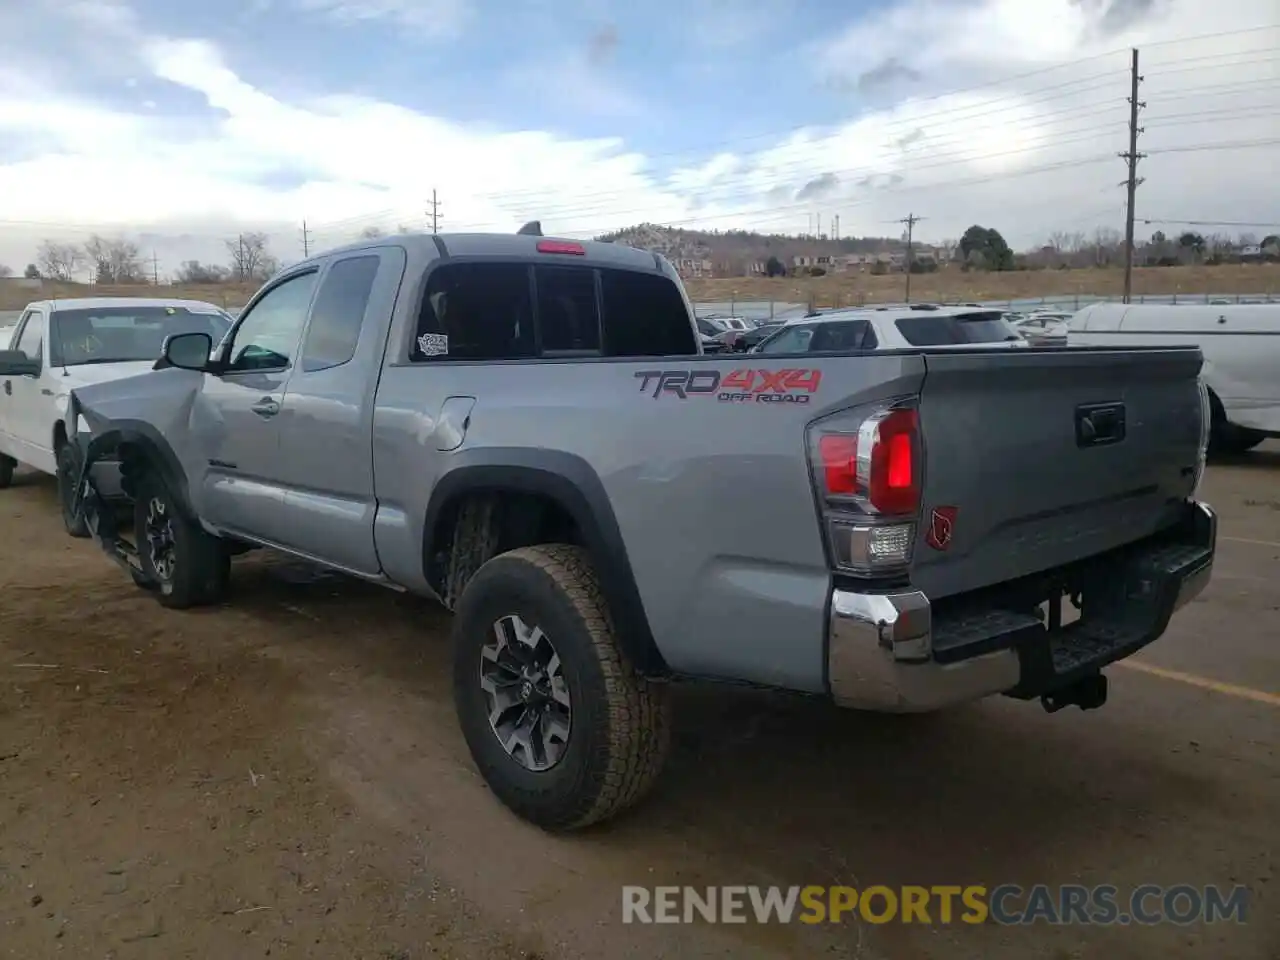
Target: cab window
(268,336)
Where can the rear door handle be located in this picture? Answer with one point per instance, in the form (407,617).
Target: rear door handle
(266,407)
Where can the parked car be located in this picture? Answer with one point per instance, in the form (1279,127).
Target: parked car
(1241,348)
(58,345)
(892,329)
(411,412)
(710,336)
(1043,329)
(725,324)
(745,340)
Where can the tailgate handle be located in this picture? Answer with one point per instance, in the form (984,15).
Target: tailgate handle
(1098,424)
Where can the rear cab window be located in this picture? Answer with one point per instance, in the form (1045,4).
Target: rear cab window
(930,330)
(486,310)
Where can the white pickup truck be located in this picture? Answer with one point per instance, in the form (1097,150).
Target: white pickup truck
(58,345)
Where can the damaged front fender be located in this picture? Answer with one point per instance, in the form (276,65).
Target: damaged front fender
(126,428)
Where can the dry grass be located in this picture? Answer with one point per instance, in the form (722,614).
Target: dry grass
(836,290)
(855,288)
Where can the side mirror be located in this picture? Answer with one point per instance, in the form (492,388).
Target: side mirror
(188,351)
(15,363)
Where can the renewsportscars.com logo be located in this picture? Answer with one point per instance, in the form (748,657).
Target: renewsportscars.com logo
(1006,904)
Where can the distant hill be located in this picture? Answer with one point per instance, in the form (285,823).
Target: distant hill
(730,250)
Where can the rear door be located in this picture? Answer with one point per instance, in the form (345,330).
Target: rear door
(326,418)
(1038,458)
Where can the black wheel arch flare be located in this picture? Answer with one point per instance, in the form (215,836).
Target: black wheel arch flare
(573,485)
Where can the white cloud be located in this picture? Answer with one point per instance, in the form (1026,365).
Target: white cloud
(1014,155)
(440,19)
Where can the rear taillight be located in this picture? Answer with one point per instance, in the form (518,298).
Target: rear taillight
(868,481)
(877,464)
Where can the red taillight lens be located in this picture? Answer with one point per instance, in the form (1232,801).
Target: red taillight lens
(888,476)
(893,484)
(839,463)
(561,246)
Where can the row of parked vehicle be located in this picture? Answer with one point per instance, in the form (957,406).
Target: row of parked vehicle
(525,429)
(1240,343)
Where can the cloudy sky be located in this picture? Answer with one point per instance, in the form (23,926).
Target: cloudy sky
(180,123)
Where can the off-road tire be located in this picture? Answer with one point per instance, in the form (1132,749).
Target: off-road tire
(202,564)
(620,729)
(68,472)
(7,466)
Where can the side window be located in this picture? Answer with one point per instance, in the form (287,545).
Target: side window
(567,315)
(269,334)
(476,311)
(793,340)
(838,336)
(31,340)
(644,315)
(338,313)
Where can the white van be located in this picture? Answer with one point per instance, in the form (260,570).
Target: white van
(1241,347)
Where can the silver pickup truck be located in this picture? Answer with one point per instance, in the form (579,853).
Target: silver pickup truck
(525,429)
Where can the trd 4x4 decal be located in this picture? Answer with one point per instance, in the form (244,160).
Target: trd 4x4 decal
(745,385)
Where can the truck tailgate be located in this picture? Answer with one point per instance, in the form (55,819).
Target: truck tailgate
(1037,458)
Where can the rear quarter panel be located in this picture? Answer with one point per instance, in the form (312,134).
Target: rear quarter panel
(711,491)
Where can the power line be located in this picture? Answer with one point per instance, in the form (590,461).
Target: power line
(1212,223)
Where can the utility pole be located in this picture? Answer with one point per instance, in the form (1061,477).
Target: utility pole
(1132,156)
(835,229)
(306,240)
(910,220)
(155,269)
(435,212)
(240,259)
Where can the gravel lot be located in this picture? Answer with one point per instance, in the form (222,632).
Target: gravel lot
(283,777)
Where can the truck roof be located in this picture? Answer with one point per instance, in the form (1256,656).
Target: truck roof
(522,246)
(88,303)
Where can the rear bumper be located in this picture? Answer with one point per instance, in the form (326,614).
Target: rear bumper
(897,652)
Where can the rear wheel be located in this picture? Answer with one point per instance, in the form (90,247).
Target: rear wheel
(184,565)
(68,460)
(7,466)
(563,729)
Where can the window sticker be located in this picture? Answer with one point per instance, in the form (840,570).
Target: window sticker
(433,344)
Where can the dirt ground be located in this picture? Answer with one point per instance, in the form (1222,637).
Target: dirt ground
(844,289)
(282,777)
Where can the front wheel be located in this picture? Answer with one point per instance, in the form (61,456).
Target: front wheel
(68,466)
(564,730)
(185,565)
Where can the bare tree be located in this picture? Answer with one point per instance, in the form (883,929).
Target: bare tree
(59,261)
(115,260)
(193,271)
(5,270)
(372,233)
(250,257)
